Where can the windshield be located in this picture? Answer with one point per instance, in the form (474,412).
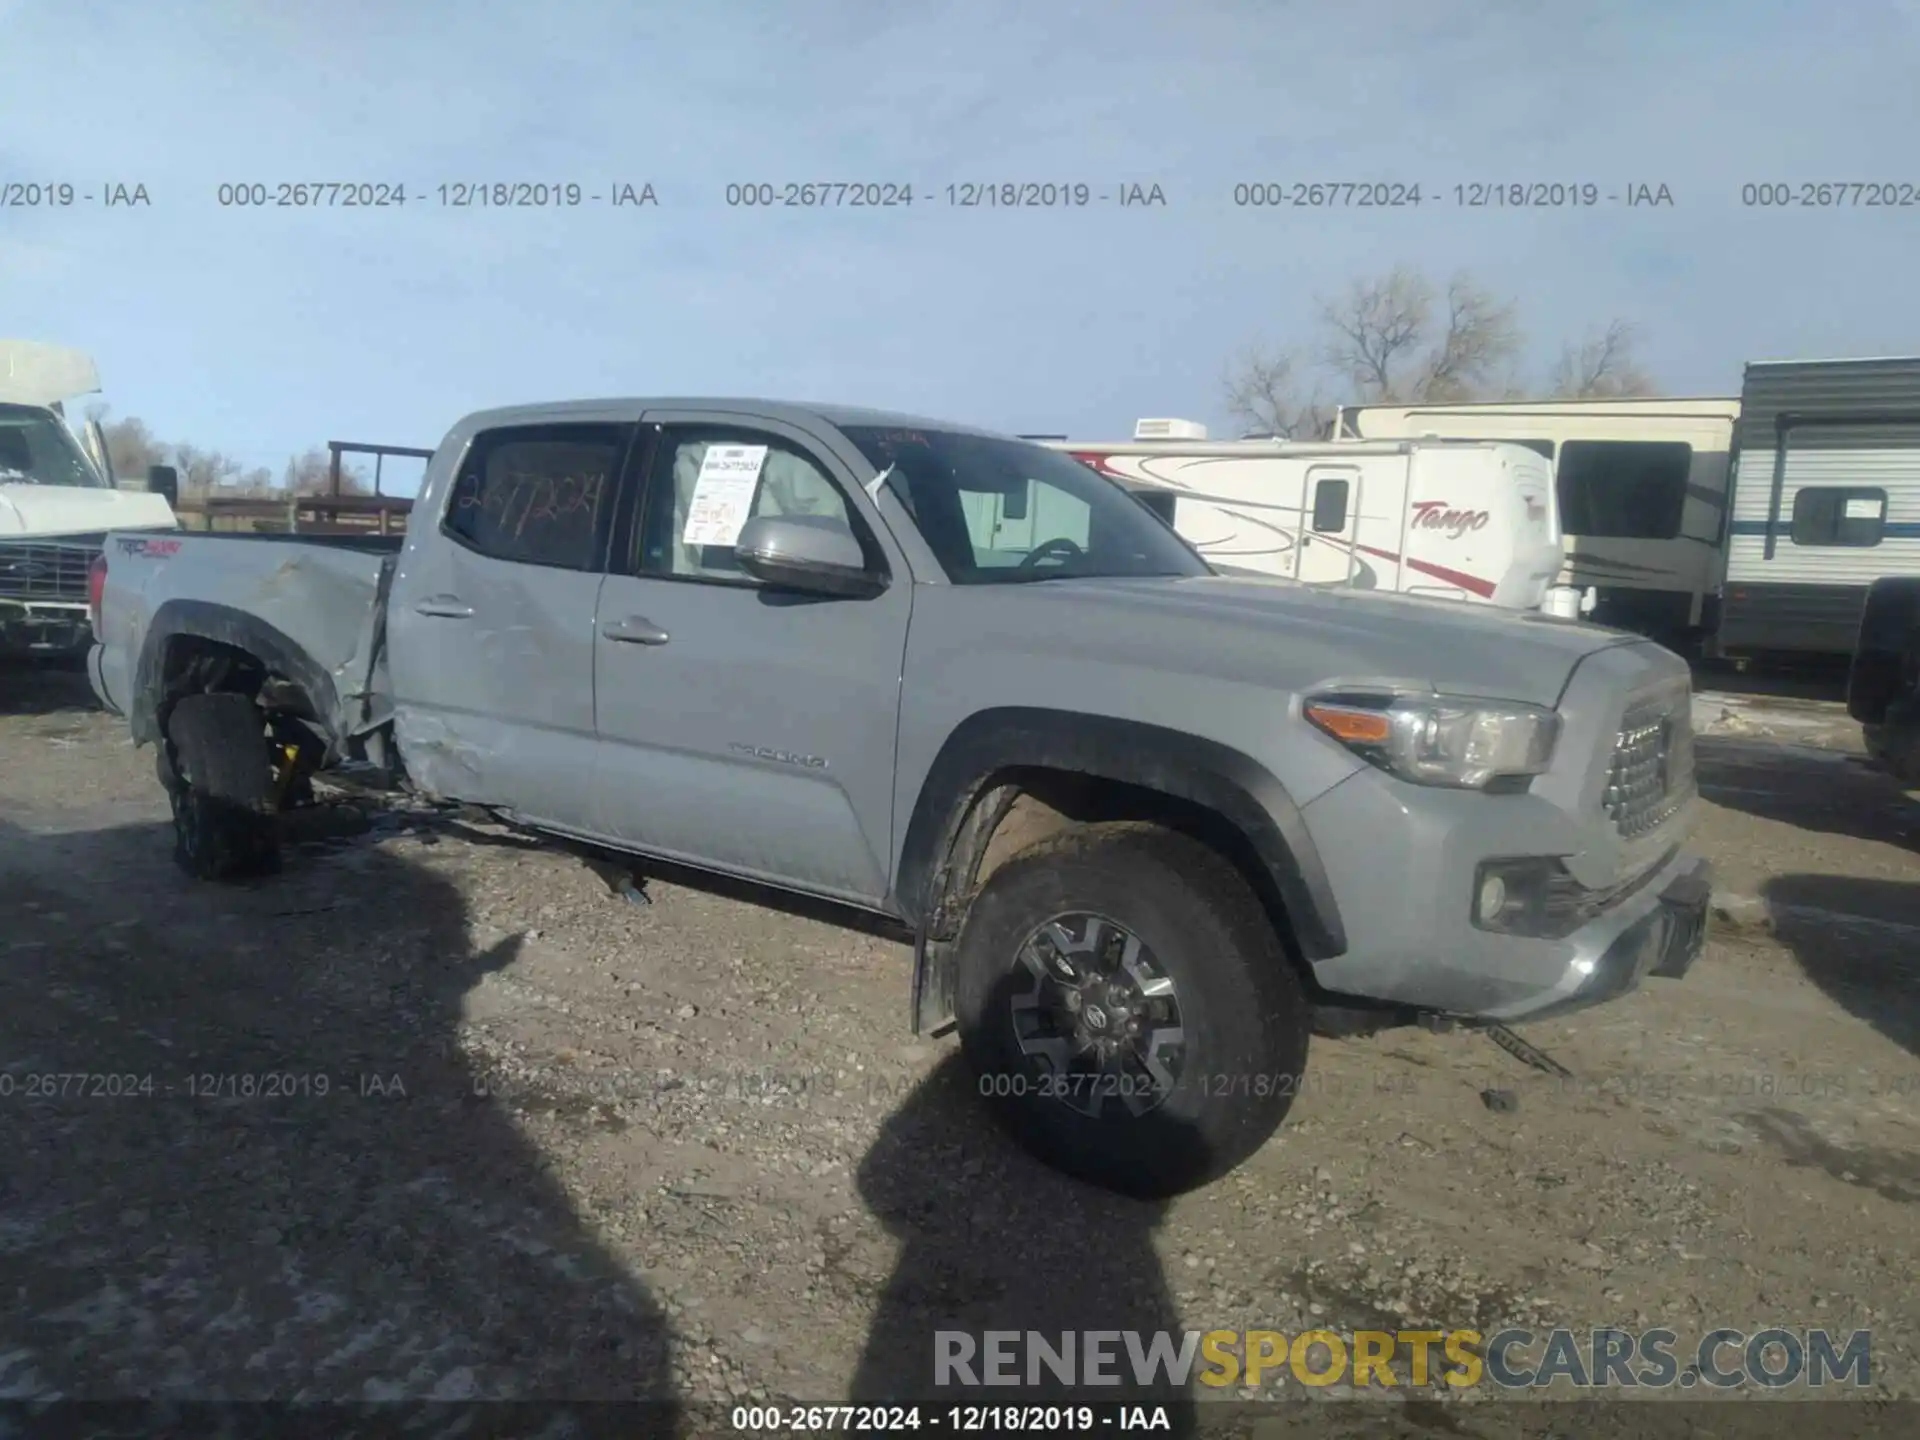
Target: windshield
(36,449)
(998,512)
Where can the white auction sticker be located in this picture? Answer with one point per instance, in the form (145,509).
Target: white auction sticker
(1864,509)
(723,495)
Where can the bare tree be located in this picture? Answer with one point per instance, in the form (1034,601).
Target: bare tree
(1398,338)
(1383,339)
(131,446)
(312,474)
(305,474)
(1481,339)
(1602,366)
(1377,328)
(1263,395)
(204,471)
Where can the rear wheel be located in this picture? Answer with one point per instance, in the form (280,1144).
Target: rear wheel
(1129,1013)
(218,769)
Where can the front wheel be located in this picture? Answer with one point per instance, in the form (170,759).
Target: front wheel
(1129,1013)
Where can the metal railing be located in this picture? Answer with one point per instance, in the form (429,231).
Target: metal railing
(329,513)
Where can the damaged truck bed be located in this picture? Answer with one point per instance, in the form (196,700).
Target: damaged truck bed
(310,611)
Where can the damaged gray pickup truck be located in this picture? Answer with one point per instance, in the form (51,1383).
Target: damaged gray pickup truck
(1144,825)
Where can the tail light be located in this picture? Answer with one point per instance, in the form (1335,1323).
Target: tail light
(96,590)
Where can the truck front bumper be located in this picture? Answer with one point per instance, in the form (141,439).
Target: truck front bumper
(1659,938)
(1405,865)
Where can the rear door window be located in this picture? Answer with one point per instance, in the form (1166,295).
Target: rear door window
(538,494)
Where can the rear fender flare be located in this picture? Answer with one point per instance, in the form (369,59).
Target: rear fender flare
(267,645)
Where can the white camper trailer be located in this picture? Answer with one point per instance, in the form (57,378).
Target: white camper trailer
(1826,500)
(57,500)
(1472,522)
(1642,486)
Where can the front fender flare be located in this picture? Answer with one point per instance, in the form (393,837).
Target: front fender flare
(1172,762)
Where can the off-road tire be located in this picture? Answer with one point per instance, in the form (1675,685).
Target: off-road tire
(218,772)
(1242,1008)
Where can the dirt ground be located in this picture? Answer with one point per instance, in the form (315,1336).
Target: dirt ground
(433,1114)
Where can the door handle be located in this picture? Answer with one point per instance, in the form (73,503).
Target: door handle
(634,630)
(448,607)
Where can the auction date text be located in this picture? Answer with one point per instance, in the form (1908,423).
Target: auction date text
(64,195)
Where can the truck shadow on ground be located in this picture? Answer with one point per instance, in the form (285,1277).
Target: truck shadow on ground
(44,687)
(993,1240)
(1822,680)
(246,1157)
(1858,940)
(1891,1174)
(1819,790)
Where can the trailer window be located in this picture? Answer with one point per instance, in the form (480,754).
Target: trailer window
(1623,489)
(1839,515)
(1330,506)
(1160,502)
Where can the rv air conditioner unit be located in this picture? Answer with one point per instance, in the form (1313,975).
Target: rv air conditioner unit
(1169,430)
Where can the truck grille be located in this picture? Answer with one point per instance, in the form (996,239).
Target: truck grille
(47,569)
(1650,779)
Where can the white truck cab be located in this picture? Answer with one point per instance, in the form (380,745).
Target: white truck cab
(58,499)
(1464,520)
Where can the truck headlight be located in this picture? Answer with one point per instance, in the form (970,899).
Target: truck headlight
(1441,740)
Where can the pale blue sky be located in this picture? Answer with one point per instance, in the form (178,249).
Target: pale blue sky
(263,332)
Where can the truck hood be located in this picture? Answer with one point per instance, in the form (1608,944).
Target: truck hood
(1304,637)
(55,510)
(35,374)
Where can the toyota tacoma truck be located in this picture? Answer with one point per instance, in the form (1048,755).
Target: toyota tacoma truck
(1143,825)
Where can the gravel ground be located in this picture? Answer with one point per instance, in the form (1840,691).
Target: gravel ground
(433,1114)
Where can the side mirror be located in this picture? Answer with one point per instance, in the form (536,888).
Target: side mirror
(811,553)
(164,480)
(1014,505)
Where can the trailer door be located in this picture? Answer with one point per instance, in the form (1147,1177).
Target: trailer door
(1330,521)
